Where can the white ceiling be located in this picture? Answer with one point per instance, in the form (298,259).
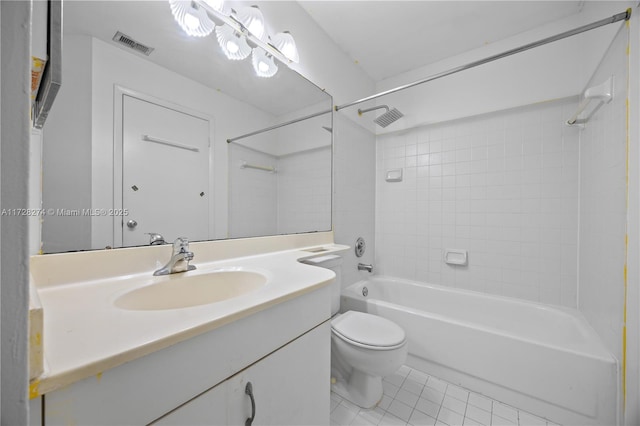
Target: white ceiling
(388,38)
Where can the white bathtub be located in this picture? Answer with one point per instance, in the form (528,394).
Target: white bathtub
(541,359)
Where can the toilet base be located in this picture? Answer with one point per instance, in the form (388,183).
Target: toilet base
(361,389)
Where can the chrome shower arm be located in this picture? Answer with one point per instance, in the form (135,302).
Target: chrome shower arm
(362,111)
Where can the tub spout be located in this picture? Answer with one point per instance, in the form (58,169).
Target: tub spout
(365,267)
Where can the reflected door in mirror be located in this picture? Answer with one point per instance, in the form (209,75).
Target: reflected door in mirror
(165,185)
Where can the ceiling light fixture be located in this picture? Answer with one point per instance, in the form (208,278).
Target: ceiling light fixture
(233,45)
(238,33)
(285,43)
(193,19)
(252,19)
(263,63)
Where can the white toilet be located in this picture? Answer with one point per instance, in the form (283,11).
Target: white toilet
(364,347)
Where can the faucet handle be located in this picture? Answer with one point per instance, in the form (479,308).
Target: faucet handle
(181,245)
(155,238)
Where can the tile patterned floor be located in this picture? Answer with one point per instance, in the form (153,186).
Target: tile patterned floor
(414,398)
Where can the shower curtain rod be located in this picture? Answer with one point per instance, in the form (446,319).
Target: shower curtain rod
(615,18)
(277,126)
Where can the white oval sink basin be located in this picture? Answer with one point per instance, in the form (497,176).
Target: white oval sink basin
(188,291)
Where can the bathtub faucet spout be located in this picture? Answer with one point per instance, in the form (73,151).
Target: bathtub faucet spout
(365,267)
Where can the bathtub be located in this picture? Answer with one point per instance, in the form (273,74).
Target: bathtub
(541,359)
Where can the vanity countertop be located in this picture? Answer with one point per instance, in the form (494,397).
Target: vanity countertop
(85,333)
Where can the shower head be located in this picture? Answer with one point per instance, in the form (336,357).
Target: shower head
(388,117)
(385,119)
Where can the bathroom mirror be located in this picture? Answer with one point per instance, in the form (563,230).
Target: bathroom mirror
(137,142)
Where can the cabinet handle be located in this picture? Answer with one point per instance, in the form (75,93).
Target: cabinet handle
(249,391)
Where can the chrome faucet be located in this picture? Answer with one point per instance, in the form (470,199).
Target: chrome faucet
(365,267)
(180,259)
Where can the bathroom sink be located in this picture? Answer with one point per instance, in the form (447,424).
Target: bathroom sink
(174,292)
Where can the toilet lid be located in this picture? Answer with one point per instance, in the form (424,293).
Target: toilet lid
(368,329)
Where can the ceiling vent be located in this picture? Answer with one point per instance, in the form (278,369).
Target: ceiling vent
(132,44)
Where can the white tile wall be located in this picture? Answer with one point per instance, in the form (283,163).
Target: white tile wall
(603,204)
(304,191)
(503,186)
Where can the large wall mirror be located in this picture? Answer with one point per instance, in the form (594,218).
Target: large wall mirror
(138,144)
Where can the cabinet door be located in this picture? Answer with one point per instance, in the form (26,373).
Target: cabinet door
(290,386)
(209,408)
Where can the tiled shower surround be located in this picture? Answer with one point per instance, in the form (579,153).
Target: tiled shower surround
(503,186)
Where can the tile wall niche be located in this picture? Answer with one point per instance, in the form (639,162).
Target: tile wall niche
(503,186)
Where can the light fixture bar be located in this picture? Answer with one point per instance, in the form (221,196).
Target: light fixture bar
(615,18)
(228,20)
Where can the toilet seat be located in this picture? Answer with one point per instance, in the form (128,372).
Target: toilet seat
(368,331)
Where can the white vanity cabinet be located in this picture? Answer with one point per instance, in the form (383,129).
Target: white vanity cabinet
(210,408)
(289,387)
(283,350)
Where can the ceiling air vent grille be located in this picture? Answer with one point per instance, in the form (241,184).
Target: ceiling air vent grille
(125,40)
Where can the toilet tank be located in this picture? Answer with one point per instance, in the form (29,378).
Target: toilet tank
(333,262)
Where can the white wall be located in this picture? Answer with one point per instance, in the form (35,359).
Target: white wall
(353,193)
(66,153)
(503,186)
(15,65)
(603,203)
(35,190)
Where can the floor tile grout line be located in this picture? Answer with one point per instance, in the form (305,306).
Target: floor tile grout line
(442,402)
(466,406)
(447,387)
